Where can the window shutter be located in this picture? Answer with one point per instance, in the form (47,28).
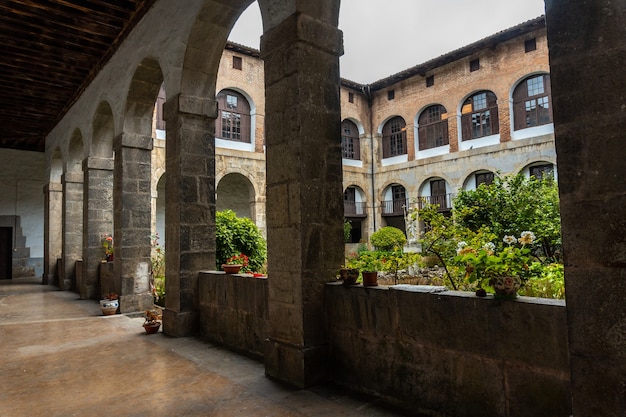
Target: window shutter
(444,131)
(466,126)
(421,133)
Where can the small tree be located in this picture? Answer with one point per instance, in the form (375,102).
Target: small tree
(511,205)
(388,238)
(236,235)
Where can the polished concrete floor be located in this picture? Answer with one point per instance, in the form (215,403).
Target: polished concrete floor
(60,357)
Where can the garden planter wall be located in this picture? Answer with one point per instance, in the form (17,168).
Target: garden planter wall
(449,353)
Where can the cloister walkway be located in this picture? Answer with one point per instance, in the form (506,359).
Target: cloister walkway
(61,357)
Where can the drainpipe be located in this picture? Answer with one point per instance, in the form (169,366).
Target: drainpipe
(368,94)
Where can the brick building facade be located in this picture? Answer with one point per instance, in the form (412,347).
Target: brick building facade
(378,186)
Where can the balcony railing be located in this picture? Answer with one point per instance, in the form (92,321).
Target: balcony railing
(444,201)
(394,207)
(354,209)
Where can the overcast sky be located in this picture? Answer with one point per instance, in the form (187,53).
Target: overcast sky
(383,37)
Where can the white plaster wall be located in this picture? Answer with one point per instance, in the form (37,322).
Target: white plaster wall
(21,194)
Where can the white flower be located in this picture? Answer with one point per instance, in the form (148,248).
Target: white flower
(460,246)
(527,238)
(489,247)
(509,240)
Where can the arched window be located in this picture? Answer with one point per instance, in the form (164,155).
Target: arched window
(160,123)
(233,122)
(479,116)
(433,127)
(531,102)
(394,137)
(350,148)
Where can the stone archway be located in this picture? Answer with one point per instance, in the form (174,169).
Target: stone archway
(98,199)
(132,191)
(235,192)
(72,183)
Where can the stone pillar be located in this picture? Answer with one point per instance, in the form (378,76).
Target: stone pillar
(53,231)
(189,209)
(131,214)
(304,192)
(72,227)
(97,220)
(587,55)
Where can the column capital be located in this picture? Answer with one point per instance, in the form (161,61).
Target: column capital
(132,140)
(198,106)
(53,187)
(103,164)
(302,28)
(72,177)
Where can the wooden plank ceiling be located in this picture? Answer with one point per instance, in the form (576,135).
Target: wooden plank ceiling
(51,50)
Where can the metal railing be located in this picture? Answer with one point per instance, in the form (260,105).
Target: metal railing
(354,209)
(394,207)
(444,201)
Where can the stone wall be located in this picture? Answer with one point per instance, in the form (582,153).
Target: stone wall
(450,353)
(447,351)
(234,311)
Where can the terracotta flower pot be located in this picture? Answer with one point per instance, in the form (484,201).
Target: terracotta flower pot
(370,279)
(231,269)
(348,275)
(152,328)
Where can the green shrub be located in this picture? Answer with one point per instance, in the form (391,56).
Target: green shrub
(549,284)
(235,235)
(388,238)
(347,230)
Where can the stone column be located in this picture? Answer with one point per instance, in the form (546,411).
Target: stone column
(72,227)
(97,220)
(587,55)
(53,231)
(131,214)
(189,209)
(304,192)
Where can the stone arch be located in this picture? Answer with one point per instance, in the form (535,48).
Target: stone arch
(358,124)
(236,192)
(428,195)
(471,179)
(75,151)
(542,166)
(55,166)
(141,98)
(103,131)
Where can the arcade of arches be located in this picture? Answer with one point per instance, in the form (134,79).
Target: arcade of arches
(99,157)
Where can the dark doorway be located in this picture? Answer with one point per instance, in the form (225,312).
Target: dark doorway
(6,237)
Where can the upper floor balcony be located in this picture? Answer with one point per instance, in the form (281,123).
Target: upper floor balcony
(354,209)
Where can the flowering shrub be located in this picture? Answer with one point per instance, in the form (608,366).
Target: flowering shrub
(240,259)
(107,244)
(157,264)
(484,263)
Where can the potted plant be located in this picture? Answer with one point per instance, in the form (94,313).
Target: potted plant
(235,263)
(348,274)
(152,320)
(369,263)
(107,244)
(505,271)
(109,304)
